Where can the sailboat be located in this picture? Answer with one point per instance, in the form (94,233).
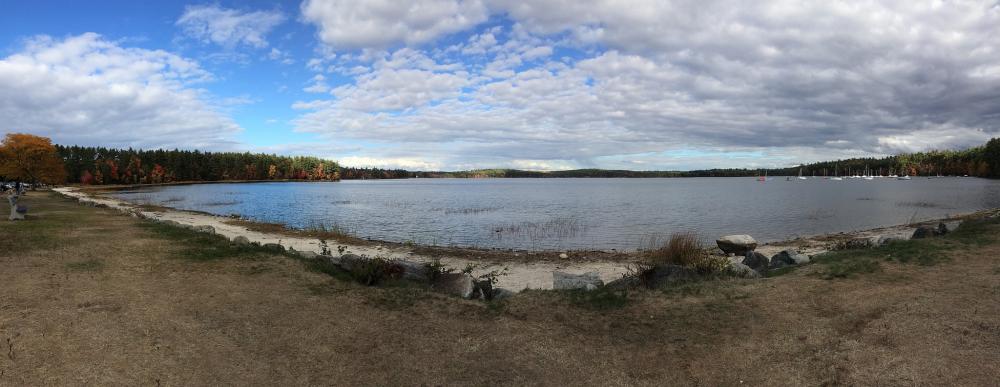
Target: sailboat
(867,175)
(800,175)
(762,178)
(836,174)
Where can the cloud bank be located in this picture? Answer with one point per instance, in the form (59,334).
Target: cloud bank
(604,83)
(88,90)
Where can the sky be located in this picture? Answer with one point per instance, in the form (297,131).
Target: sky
(535,84)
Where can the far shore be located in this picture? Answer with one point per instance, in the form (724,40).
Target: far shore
(527,269)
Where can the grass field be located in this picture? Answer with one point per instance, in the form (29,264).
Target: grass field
(88,296)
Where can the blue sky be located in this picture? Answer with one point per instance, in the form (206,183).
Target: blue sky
(541,84)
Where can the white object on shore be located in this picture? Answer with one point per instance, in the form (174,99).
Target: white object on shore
(14,213)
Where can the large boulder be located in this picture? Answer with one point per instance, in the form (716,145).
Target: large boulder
(788,258)
(564,281)
(413,271)
(736,244)
(737,269)
(241,240)
(456,284)
(756,261)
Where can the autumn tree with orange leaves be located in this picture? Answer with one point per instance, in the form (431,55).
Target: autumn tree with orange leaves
(31,159)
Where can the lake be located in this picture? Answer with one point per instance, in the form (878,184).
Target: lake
(582,214)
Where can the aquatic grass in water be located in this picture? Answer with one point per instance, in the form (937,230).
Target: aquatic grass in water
(559,228)
(470,211)
(173,199)
(222,203)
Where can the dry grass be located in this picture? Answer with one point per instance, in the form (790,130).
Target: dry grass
(150,317)
(682,249)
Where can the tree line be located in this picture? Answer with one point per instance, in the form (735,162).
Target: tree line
(981,161)
(35,159)
(98,165)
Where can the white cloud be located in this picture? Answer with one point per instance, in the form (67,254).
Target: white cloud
(349,24)
(88,90)
(835,79)
(228,27)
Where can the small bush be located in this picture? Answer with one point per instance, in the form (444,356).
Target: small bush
(682,249)
(374,271)
(436,270)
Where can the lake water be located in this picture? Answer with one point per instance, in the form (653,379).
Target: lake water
(604,214)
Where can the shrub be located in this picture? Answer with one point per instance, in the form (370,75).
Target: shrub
(683,249)
(373,271)
(435,270)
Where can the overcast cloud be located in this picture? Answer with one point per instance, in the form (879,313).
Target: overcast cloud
(551,84)
(818,79)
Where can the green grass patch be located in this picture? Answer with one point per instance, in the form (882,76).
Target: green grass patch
(602,298)
(923,252)
(780,272)
(200,246)
(88,265)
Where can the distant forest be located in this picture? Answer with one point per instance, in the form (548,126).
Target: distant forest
(92,165)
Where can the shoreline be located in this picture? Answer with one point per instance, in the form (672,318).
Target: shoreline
(526,269)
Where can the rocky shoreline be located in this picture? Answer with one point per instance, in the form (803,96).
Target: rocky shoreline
(564,271)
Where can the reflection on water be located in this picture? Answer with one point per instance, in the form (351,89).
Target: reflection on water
(556,214)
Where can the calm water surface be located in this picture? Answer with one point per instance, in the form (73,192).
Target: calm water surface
(556,214)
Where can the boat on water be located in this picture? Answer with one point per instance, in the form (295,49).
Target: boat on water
(836,173)
(907,177)
(867,175)
(800,175)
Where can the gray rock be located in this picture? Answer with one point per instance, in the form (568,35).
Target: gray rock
(740,270)
(736,244)
(784,257)
(925,232)
(413,271)
(307,255)
(241,241)
(942,229)
(789,257)
(456,284)
(756,261)
(589,281)
(171,223)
